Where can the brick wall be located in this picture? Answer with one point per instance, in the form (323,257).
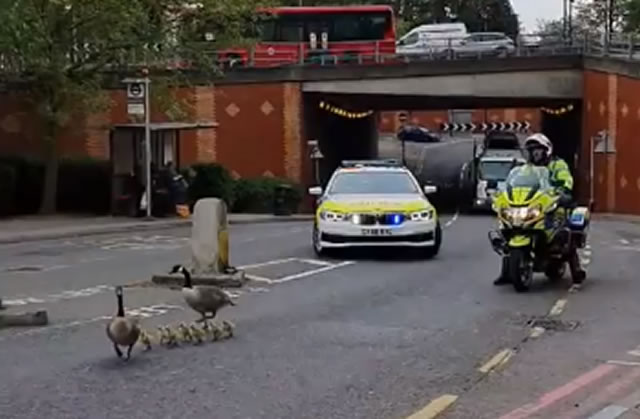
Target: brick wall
(260,129)
(612,105)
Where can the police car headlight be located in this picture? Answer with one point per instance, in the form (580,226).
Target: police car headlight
(425,215)
(333,216)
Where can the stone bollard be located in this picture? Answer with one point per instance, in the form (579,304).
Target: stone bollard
(210,237)
(37,318)
(209,248)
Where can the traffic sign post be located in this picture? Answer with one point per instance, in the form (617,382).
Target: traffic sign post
(138,105)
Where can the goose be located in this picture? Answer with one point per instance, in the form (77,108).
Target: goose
(122,330)
(206,300)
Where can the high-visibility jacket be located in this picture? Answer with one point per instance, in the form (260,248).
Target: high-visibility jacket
(559,174)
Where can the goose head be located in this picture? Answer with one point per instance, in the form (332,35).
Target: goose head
(184,271)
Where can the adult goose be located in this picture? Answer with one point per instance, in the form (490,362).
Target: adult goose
(204,299)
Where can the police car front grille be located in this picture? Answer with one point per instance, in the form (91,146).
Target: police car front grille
(412,238)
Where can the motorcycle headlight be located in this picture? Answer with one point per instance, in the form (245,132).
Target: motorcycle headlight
(518,216)
(333,216)
(424,215)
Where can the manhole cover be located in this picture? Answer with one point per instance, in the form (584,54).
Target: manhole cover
(24,269)
(554,324)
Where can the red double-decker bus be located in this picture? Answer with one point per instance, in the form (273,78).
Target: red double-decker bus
(332,34)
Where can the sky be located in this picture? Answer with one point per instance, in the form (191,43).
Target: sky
(529,11)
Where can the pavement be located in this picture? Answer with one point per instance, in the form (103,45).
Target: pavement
(362,336)
(31,228)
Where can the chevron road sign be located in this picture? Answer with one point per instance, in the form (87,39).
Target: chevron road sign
(489,126)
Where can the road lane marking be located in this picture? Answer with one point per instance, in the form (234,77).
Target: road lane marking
(435,407)
(144,312)
(498,360)
(268,263)
(536,332)
(53,298)
(561,392)
(610,412)
(312,272)
(452,220)
(635,352)
(558,307)
(623,363)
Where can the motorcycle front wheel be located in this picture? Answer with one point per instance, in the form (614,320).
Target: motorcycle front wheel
(520,269)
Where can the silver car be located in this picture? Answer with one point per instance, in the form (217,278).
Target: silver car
(485,43)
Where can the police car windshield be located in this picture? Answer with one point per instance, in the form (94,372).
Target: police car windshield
(373,183)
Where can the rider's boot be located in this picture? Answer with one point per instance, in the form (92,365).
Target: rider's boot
(503,279)
(578,273)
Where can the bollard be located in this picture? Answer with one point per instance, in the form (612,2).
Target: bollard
(209,248)
(209,237)
(37,318)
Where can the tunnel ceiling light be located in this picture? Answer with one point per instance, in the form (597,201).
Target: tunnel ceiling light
(343,112)
(559,111)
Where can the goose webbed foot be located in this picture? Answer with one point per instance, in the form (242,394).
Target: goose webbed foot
(118,351)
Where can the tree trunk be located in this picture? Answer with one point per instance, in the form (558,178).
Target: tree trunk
(50,187)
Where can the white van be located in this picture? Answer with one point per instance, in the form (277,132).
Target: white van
(431,38)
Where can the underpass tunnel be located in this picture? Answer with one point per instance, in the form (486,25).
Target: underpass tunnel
(343,133)
(563,126)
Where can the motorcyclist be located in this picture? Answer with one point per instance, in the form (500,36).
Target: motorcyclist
(540,153)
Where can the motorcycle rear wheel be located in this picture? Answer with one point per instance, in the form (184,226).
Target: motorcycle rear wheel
(520,269)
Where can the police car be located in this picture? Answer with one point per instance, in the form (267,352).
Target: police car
(375,203)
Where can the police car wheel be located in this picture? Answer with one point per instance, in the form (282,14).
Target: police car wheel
(317,246)
(432,251)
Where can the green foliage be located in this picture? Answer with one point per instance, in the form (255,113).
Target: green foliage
(211,180)
(73,195)
(258,195)
(62,48)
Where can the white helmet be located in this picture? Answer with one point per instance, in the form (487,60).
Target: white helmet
(537,140)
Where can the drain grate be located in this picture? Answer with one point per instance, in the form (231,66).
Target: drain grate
(554,324)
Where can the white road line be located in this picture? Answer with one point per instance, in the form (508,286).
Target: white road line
(257,278)
(610,412)
(312,272)
(452,220)
(635,352)
(632,248)
(316,262)
(624,363)
(52,298)
(625,241)
(536,332)
(145,312)
(269,263)
(558,307)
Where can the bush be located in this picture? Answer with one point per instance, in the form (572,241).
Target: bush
(257,195)
(211,180)
(7,189)
(83,185)
(74,195)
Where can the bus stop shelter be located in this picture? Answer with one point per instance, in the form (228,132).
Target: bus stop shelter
(127,154)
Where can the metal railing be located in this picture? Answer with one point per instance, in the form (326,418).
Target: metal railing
(380,53)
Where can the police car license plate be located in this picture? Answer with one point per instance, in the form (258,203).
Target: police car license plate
(376,231)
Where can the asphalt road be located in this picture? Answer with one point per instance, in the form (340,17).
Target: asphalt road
(379,337)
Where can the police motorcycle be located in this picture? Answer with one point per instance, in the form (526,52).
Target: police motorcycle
(536,231)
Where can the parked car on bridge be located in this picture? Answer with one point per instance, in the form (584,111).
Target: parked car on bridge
(485,43)
(417,134)
(375,203)
(431,38)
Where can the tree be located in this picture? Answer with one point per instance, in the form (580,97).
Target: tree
(60,50)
